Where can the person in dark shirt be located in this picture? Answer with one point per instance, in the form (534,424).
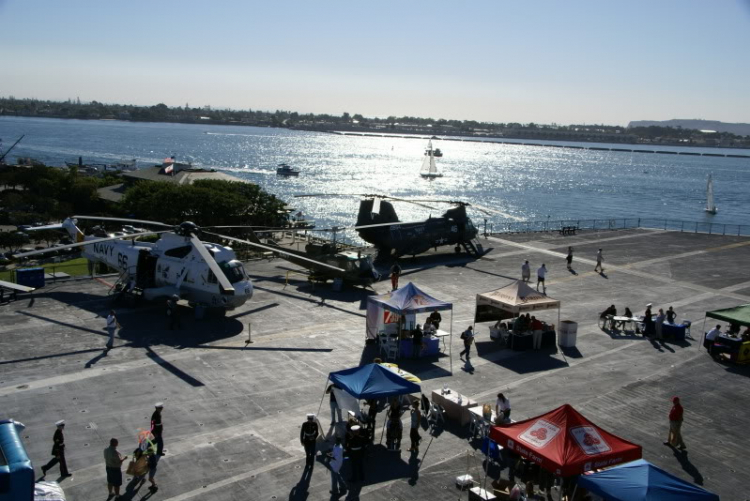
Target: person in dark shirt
(648,322)
(308,436)
(357,454)
(671,315)
(58,451)
(157,429)
(416,338)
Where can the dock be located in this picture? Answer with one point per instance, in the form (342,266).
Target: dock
(233,410)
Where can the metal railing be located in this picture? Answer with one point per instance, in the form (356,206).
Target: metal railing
(621,224)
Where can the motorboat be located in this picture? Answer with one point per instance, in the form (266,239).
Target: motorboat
(286,171)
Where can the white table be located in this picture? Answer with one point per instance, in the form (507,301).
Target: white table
(454,410)
(441,335)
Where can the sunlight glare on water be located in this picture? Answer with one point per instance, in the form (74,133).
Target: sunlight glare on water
(527,182)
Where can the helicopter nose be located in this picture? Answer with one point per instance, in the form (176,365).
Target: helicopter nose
(243,289)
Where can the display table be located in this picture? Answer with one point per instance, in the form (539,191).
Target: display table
(674,331)
(525,341)
(737,349)
(623,322)
(454,410)
(430,347)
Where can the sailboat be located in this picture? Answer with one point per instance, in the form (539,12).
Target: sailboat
(429,169)
(710,205)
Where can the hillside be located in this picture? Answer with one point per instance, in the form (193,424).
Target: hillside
(739,129)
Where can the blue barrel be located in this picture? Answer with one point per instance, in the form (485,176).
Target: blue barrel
(30,277)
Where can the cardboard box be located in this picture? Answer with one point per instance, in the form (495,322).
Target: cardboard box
(479,494)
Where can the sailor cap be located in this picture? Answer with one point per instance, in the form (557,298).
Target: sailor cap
(159,405)
(60,423)
(311,416)
(648,305)
(356,427)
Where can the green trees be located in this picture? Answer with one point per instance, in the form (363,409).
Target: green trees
(206,203)
(48,193)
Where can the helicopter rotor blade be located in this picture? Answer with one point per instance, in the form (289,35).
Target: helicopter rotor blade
(251,227)
(367,195)
(86,242)
(124,220)
(277,250)
(226,285)
(488,210)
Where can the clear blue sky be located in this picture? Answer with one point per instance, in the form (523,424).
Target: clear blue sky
(563,61)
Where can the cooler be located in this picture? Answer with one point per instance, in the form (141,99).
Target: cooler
(30,277)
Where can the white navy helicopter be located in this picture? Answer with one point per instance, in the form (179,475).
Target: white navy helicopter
(179,263)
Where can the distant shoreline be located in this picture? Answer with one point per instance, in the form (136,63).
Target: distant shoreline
(454,136)
(501,140)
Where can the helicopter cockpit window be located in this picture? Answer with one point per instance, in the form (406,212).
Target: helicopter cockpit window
(179,252)
(212,277)
(234,271)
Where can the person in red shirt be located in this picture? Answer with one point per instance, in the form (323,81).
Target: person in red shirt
(675,425)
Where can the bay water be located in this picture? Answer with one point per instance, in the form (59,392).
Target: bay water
(525,182)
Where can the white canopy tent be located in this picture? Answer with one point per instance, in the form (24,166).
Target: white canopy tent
(510,301)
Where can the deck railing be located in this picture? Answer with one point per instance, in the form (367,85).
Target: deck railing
(620,224)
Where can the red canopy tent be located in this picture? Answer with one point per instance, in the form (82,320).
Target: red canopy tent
(565,443)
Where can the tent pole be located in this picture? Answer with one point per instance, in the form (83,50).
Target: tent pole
(705,318)
(575,489)
(323,397)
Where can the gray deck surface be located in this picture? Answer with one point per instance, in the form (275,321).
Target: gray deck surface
(233,413)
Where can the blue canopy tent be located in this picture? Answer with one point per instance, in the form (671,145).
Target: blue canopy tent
(408,300)
(372,381)
(642,481)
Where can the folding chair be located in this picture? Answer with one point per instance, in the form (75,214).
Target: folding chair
(476,427)
(436,415)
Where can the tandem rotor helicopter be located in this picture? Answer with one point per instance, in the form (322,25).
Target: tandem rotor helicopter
(378,224)
(179,263)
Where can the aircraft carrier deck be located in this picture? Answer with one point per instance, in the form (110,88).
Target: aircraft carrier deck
(232,413)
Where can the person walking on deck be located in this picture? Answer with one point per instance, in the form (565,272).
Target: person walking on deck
(525,272)
(599,261)
(58,451)
(675,425)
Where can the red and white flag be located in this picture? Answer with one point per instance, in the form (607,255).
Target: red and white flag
(168,165)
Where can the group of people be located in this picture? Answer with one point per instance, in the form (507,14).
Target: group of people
(652,324)
(145,457)
(431,326)
(522,324)
(733,331)
(358,436)
(541,274)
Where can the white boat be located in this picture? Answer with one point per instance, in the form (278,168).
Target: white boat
(286,171)
(710,205)
(429,168)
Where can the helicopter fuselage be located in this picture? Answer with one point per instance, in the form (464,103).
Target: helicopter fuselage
(454,227)
(171,266)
